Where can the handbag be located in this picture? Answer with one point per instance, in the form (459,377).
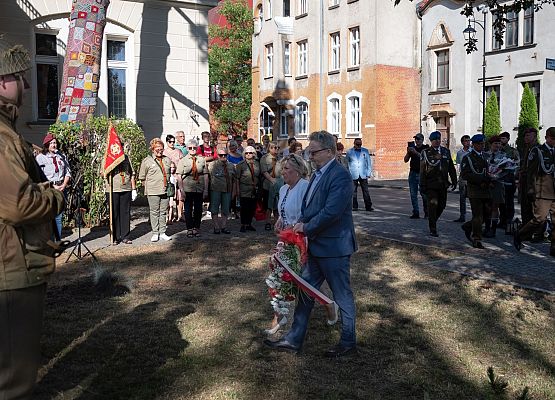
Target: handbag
(170,190)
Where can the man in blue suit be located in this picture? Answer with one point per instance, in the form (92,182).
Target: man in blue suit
(360,167)
(327,222)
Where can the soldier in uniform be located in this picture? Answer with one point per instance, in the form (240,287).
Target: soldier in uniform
(530,141)
(474,170)
(507,213)
(28,206)
(436,171)
(540,189)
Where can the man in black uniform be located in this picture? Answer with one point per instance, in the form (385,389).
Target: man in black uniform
(474,170)
(540,189)
(530,141)
(436,171)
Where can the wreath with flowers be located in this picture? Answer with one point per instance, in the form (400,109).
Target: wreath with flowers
(290,249)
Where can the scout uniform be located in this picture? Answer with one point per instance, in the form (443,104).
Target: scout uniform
(54,166)
(271,165)
(28,206)
(121,199)
(474,170)
(222,176)
(155,173)
(247,175)
(436,171)
(541,188)
(193,171)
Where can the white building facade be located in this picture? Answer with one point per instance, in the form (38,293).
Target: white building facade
(154,66)
(452,80)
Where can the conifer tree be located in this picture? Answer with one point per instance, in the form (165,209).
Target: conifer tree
(528,117)
(492,122)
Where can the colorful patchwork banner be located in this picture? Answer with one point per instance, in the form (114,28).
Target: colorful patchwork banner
(78,94)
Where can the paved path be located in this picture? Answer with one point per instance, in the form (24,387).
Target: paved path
(531,268)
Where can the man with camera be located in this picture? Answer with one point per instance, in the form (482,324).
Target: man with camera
(413,155)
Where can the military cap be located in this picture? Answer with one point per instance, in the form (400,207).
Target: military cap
(13,58)
(419,136)
(505,135)
(435,135)
(550,132)
(494,139)
(477,138)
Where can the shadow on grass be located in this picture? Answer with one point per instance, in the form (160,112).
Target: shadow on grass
(192,329)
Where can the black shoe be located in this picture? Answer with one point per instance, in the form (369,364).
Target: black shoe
(434,233)
(339,351)
(516,241)
(460,219)
(226,231)
(250,228)
(281,345)
(477,244)
(242,229)
(370,209)
(216,231)
(355,209)
(414,216)
(467,232)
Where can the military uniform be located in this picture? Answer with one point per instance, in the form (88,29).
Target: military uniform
(28,206)
(540,188)
(474,170)
(526,211)
(507,213)
(194,172)
(437,173)
(122,187)
(155,173)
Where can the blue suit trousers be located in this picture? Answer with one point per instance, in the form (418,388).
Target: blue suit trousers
(336,271)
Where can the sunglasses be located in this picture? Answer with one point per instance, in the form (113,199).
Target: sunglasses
(171,141)
(191,148)
(291,158)
(222,155)
(249,152)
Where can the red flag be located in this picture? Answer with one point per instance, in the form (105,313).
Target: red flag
(114,151)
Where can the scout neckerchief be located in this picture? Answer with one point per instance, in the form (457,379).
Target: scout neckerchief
(227,180)
(160,164)
(274,162)
(251,169)
(194,170)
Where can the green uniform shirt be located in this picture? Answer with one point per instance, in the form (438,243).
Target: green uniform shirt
(185,169)
(248,173)
(151,173)
(271,165)
(121,177)
(222,174)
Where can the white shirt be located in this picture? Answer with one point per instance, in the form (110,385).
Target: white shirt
(290,202)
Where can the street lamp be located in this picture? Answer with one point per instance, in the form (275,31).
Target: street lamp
(469,35)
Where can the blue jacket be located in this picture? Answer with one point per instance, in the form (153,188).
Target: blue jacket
(359,167)
(327,215)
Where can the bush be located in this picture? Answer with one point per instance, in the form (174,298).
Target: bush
(528,117)
(492,123)
(84,146)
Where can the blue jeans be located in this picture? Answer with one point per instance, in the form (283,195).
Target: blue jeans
(59,224)
(336,272)
(414,186)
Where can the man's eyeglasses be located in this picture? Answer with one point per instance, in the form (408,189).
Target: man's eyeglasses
(316,151)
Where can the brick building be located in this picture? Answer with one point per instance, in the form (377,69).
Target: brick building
(348,66)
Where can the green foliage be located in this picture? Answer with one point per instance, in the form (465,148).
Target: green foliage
(84,146)
(528,117)
(229,61)
(492,122)
(497,384)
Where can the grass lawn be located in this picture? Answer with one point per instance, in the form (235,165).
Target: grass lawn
(191,329)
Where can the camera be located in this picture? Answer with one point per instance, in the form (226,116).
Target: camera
(411,144)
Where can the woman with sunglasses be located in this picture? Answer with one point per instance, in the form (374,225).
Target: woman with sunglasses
(222,174)
(273,181)
(247,173)
(194,172)
(175,154)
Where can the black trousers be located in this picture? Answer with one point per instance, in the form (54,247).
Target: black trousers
(526,206)
(193,209)
(248,207)
(365,193)
(480,208)
(507,213)
(437,200)
(121,215)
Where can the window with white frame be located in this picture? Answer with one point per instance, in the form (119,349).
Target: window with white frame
(333,3)
(511,29)
(287,58)
(117,83)
(283,122)
(511,35)
(269,9)
(302,118)
(266,121)
(535,88)
(47,66)
(286,8)
(494,89)
(334,114)
(302,7)
(269,68)
(354,47)
(529,25)
(335,50)
(442,69)
(354,114)
(302,60)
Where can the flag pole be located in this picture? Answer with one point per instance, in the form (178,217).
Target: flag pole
(111,183)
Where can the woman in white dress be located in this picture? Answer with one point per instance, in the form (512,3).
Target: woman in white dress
(289,206)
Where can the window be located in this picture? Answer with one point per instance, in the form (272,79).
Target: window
(535,88)
(497,90)
(354,47)
(283,123)
(354,116)
(215,93)
(269,9)
(303,7)
(334,114)
(302,120)
(269,71)
(333,3)
(496,43)
(286,8)
(335,48)
(117,68)
(442,57)
(302,62)
(266,122)
(287,58)
(47,65)
(529,25)
(511,30)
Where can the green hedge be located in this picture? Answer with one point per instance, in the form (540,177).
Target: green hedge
(84,146)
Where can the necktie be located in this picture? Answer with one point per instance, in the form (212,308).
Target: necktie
(159,160)
(56,169)
(194,170)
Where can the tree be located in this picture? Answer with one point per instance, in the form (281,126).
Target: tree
(229,60)
(492,122)
(498,10)
(528,117)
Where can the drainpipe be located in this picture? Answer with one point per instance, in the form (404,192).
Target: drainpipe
(321,67)
(421,59)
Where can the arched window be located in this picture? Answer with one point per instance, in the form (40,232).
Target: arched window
(266,121)
(302,117)
(354,114)
(334,114)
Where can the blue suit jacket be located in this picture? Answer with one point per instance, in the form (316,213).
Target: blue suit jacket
(327,215)
(359,167)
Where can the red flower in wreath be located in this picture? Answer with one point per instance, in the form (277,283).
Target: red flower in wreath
(286,277)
